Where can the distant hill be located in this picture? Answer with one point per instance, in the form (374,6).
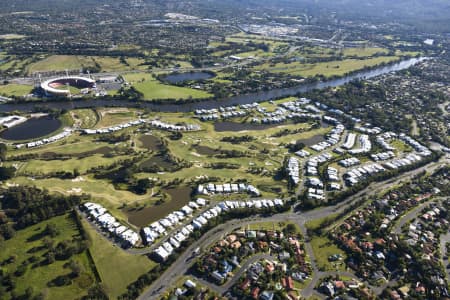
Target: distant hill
(433,15)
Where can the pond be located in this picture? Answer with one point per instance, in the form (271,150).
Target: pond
(143,217)
(150,142)
(312,140)
(189,76)
(32,129)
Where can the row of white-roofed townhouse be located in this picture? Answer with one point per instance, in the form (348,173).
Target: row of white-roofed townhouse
(356,175)
(383,156)
(65,133)
(366,145)
(296,104)
(109,224)
(422,150)
(303,153)
(331,120)
(313,163)
(225,112)
(368,129)
(332,138)
(403,162)
(332,174)
(159,228)
(175,240)
(113,128)
(316,193)
(349,162)
(173,127)
(227,188)
(233,114)
(383,139)
(335,134)
(206,111)
(349,141)
(293,170)
(344,115)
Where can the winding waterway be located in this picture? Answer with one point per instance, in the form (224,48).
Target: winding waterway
(213,103)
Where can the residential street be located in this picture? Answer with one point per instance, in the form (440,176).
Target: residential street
(182,264)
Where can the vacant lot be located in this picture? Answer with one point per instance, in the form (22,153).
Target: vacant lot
(323,248)
(117,268)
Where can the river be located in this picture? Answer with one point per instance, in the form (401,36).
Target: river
(208,104)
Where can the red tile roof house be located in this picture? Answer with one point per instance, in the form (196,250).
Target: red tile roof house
(255,293)
(245,284)
(290,283)
(338,284)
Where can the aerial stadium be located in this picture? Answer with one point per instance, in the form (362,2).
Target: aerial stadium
(67,86)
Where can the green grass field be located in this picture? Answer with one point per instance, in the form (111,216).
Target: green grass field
(60,63)
(110,117)
(26,245)
(323,247)
(102,191)
(316,223)
(153,89)
(117,268)
(83,164)
(327,69)
(17,90)
(73,62)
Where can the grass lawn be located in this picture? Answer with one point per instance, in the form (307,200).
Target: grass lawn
(84,118)
(401,146)
(327,69)
(314,224)
(83,164)
(21,246)
(323,247)
(117,268)
(102,191)
(15,90)
(60,63)
(153,89)
(72,62)
(271,226)
(111,117)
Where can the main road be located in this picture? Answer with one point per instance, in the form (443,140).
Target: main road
(185,260)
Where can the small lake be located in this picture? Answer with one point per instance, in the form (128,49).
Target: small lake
(312,140)
(189,76)
(143,217)
(32,129)
(150,142)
